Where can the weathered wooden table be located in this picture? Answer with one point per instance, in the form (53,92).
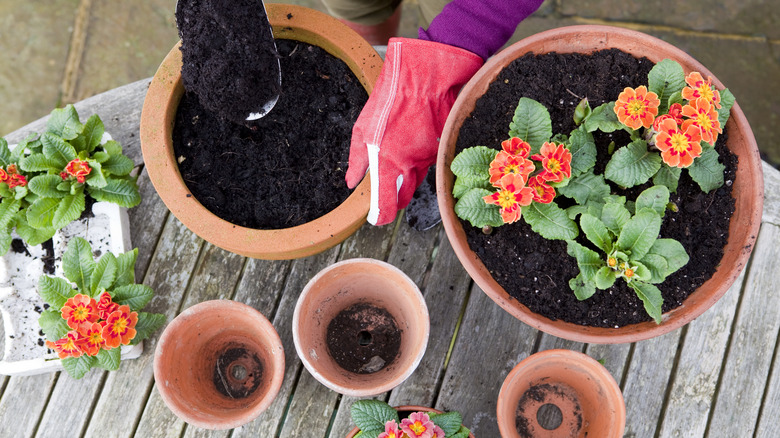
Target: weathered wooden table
(717,377)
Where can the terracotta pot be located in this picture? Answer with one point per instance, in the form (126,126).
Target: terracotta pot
(219,364)
(587,395)
(748,188)
(355,430)
(157,120)
(341,286)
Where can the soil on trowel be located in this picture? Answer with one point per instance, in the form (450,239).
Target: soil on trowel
(363,338)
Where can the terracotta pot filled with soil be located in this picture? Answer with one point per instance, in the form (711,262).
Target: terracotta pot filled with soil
(528,275)
(403,412)
(273,189)
(361,327)
(560,393)
(219,364)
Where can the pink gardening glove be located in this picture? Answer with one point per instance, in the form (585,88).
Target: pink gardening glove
(397,134)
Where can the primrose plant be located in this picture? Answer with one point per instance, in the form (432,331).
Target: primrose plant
(550,181)
(377,419)
(45,179)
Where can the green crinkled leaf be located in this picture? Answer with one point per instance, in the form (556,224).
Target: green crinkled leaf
(464,184)
(118,191)
(665,79)
(588,261)
(640,233)
(64,122)
(596,232)
(586,187)
(672,251)
(668,176)
(9,207)
(674,98)
(605,278)
(112,147)
(58,150)
(463,432)
(77,367)
(582,289)
(550,221)
(147,324)
(655,198)
(69,209)
(55,291)
(5,241)
(101,156)
(707,171)
(615,216)
(40,163)
(449,422)
(41,213)
(125,273)
(134,295)
(471,207)
(104,274)
(583,152)
(33,236)
(531,123)
(473,163)
(109,359)
(118,165)
(641,272)
(77,263)
(651,297)
(632,165)
(96,178)
(52,324)
(372,414)
(657,266)
(5,153)
(92,133)
(45,186)
(603,118)
(726,102)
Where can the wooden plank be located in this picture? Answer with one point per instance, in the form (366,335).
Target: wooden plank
(23,402)
(490,343)
(550,342)
(146,223)
(70,404)
(646,382)
(768,425)
(771,194)
(126,390)
(613,356)
(262,284)
(752,344)
(690,397)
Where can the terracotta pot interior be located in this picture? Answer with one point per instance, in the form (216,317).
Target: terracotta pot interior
(340,289)
(744,224)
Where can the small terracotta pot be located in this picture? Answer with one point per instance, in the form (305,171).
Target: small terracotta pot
(587,395)
(341,286)
(219,364)
(355,430)
(157,120)
(748,187)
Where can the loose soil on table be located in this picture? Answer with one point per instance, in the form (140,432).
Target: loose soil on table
(537,271)
(363,338)
(219,39)
(289,168)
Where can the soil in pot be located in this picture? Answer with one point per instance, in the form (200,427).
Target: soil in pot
(539,406)
(289,168)
(536,271)
(363,338)
(238,372)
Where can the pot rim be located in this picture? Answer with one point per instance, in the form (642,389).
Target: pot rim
(157,119)
(744,224)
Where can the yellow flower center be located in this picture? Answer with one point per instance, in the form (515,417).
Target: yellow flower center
(629,273)
(706,92)
(553,165)
(417,428)
(704,121)
(69,345)
(612,262)
(679,143)
(512,169)
(80,313)
(95,338)
(636,107)
(506,199)
(120,326)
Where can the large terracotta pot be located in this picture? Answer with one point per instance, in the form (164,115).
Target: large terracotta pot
(352,433)
(157,120)
(341,286)
(588,397)
(219,364)
(748,187)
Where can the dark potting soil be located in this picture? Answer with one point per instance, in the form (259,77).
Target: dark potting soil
(237,372)
(539,393)
(289,168)
(537,271)
(363,338)
(229,58)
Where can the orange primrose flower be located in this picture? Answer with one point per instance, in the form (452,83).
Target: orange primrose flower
(391,430)
(556,162)
(119,327)
(106,306)
(698,88)
(12,177)
(92,340)
(703,115)
(80,312)
(543,192)
(78,168)
(678,146)
(419,425)
(507,164)
(637,107)
(511,196)
(516,146)
(675,113)
(3,175)
(68,346)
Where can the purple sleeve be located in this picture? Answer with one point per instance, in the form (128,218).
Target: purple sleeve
(479,26)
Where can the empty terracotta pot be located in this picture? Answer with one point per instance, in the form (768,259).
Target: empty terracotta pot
(589,399)
(361,327)
(219,364)
(401,409)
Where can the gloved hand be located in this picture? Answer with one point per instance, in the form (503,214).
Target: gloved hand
(397,134)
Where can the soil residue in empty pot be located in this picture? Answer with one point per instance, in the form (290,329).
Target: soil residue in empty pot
(543,395)
(363,338)
(238,372)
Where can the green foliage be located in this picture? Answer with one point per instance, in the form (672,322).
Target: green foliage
(583,152)
(473,163)
(370,417)
(550,221)
(472,207)
(531,122)
(707,171)
(603,118)
(632,165)
(666,79)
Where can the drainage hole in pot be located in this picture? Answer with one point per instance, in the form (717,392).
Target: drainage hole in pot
(363,338)
(549,416)
(237,372)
